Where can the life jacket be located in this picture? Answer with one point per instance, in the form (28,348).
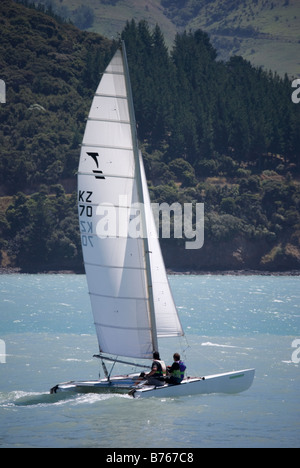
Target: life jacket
(179,373)
(162,369)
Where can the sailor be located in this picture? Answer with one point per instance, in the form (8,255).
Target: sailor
(158,372)
(176,371)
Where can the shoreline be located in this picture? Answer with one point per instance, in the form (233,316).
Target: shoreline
(18,271)
(235,273)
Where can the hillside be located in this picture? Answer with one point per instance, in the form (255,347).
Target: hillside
(226,135)
(266,32)
(46,68)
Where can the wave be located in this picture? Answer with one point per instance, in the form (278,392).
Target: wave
(21,398)
(27,399)
(76,360)
(217,345)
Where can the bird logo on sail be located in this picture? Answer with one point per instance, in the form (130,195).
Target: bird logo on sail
(98,174)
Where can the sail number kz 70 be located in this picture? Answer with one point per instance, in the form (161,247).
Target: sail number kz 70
(125,219)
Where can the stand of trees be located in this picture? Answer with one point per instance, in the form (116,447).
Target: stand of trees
(201,110)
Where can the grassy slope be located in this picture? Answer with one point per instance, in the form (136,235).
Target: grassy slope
(276,46)
(110,19)
(278,51)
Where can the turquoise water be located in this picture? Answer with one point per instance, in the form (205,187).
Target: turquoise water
(230,322)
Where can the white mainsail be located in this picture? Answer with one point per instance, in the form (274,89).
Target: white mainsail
(130,295)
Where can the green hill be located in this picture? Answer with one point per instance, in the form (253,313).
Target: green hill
(266,32)
(224,134)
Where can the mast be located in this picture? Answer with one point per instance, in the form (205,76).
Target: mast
(141,198)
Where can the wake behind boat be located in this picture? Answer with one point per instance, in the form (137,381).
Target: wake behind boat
(131,299)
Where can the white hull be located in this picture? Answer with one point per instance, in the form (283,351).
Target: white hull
(118,384)
(230,383)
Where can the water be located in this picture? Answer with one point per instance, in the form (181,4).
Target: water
(231,323)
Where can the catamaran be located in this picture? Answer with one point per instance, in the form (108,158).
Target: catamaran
(131,299)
